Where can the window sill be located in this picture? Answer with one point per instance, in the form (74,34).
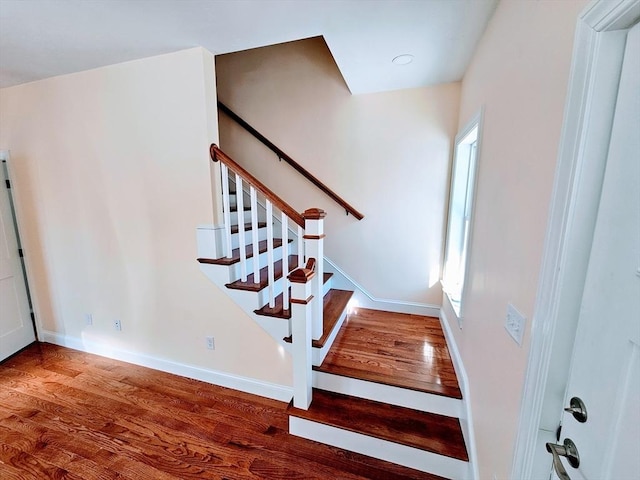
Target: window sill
(455,307)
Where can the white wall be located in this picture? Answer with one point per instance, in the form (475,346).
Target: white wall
(520,74)
(112,174)
(387,154)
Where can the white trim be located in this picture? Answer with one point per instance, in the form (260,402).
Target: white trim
(378,392)
(367,300)
(466,418)
(319,354)
(24,242)
(383,449)
(597,56)
(283,393)
(477,120)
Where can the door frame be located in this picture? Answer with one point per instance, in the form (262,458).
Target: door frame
(5,154)
(593,84)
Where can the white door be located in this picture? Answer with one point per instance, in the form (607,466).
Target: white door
(605,372)
(16,327)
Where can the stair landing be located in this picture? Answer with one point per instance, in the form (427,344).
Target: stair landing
(396,349)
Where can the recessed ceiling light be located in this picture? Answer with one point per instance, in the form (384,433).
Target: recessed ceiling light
(404,59)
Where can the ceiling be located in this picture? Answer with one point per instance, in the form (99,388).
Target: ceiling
(45,38)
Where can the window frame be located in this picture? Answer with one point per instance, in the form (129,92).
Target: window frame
(476,121)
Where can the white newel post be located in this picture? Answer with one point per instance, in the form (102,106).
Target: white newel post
(302,302)
(314,248)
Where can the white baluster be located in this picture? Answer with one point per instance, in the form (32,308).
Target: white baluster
(227,213)
(255,237)
(241,237)
(300,247)
(285,260)
(271,273)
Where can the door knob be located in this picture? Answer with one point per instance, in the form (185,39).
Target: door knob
(578,409)
(567,449)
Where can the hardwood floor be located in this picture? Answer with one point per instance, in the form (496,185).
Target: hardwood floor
(67,414)
(397,349)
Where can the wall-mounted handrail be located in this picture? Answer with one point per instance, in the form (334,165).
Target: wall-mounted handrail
(219,155)
(283,156)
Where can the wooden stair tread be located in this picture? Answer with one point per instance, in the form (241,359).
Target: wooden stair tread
(334,303)
(395,349)
(277,311)
(425,431)
(235,257)
(247,227)
(250,286)
(424,384)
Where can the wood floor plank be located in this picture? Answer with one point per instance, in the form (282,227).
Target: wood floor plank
(397,349)
(37,441)
(32,466)
(64,412)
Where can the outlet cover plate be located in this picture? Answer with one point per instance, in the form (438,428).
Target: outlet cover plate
(88,319)
(515,324)
(211,343)
(117,325)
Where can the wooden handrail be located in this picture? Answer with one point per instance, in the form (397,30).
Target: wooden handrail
(283,156)
(289,211)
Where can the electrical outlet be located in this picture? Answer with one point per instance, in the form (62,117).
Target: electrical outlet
(117,325)
(515,323)
(88,319)
(211,344)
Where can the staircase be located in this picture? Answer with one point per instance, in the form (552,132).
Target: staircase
(377,383)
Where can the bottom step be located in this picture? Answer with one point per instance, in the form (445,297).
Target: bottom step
(424,441)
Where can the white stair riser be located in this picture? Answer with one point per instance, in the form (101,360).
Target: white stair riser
(385,450)
(262,235)
(424,402)
(246,215)
(248,237)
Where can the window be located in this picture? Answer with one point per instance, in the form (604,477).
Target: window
(462,188)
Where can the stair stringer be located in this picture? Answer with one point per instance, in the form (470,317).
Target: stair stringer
(209,239)
(318,354)
(249,301)
(363,298)
(278,328)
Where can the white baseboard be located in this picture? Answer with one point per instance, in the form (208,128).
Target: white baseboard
(367,300)
(383,449)
(283,393)
(466,422)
